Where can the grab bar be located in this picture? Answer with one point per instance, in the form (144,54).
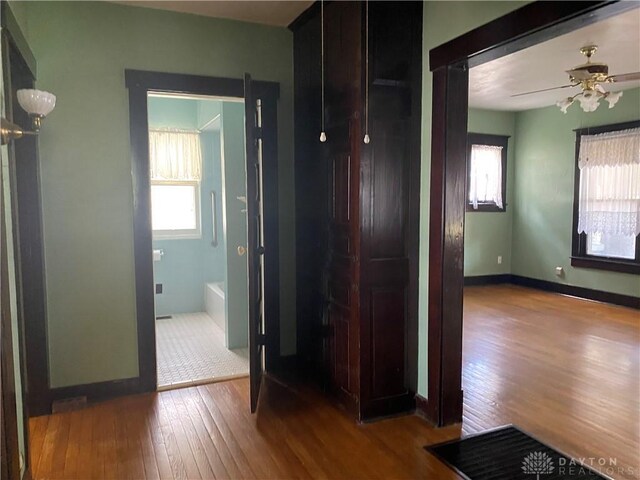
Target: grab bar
(214,228)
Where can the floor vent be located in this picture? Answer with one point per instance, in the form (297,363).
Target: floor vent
(68,404)
(164,317)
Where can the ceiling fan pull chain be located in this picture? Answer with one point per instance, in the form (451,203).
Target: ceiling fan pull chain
(366,138)
(323,135)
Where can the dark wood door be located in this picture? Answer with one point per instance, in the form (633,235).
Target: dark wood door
(342,345)
(255,238)
(342,154)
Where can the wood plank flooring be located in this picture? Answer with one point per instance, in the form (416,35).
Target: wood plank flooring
(564,369)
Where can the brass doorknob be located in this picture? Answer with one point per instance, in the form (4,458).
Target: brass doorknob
(241,250)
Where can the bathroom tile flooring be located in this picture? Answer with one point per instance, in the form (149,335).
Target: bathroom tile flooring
(191,351)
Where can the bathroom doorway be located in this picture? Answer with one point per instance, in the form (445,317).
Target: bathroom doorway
(198,215)
(254,105)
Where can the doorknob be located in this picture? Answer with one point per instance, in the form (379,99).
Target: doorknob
(241,250)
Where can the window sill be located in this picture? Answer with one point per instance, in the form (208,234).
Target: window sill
(177,236)
(486,208)
(605,264)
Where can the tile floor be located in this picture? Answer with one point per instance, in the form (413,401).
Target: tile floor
(190,351)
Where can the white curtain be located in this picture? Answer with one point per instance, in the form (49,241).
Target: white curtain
(609,200)
(175,155)
(485,176)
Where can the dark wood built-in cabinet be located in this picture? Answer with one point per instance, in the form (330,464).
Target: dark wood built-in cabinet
(357,204)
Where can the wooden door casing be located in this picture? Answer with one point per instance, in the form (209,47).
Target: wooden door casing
(342,155)
(139,83)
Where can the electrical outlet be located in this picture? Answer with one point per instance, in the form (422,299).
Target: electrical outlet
(158,288)
(499,259)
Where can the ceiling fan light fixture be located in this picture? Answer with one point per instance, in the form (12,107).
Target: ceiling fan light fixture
(589,101)
(564,104)
(612,98)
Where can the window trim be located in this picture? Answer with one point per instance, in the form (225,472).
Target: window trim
(579,256)
(184,234)
(494,140)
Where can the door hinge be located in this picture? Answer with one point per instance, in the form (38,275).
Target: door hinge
(258,133)
(262,339)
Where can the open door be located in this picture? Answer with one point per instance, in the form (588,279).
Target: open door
(255,238)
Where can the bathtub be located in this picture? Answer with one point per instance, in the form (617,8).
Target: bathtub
(214,303)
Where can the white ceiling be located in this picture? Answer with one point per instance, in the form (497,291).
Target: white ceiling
(277,13)
(543,66)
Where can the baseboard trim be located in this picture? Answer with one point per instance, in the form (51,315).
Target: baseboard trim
(487,279)
(95,391)
(129,386)
(381,408)
(581,292)
(564,289)
(424,411)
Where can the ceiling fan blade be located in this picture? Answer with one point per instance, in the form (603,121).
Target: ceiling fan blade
(579,74)
(545,90)
(625,77)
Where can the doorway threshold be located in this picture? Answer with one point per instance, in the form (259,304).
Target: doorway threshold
(202,381)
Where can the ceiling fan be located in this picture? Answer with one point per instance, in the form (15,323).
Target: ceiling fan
(590,77)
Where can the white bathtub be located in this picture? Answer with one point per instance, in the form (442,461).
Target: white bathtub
(214,303)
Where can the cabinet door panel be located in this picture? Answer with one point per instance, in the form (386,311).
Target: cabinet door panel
(341,189)
(341,271)
(387,340)
(389,162)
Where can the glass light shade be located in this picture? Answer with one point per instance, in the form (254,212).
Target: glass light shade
(589,101)
(36,102)
(613,98)
(564,104)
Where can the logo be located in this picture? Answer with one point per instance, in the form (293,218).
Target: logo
(537,463)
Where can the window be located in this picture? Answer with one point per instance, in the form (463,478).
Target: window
(175,209)
(606,224)
(486,172)
(175,164)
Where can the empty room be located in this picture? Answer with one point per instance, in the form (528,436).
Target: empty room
(320,239)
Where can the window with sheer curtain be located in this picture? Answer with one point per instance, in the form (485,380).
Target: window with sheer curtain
(608,194)
(486,164)
(175,168)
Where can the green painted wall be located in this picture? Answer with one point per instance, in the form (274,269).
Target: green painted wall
(214,257)
(209,113)
(19,10)
(235,223)
(535,232)
(173,112)
(82,49)
(487,235)
(542,222)
(442,21)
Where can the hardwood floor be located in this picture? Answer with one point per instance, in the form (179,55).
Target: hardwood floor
(561,368)
(564,369)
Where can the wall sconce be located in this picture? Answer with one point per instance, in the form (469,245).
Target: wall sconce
(37,104)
